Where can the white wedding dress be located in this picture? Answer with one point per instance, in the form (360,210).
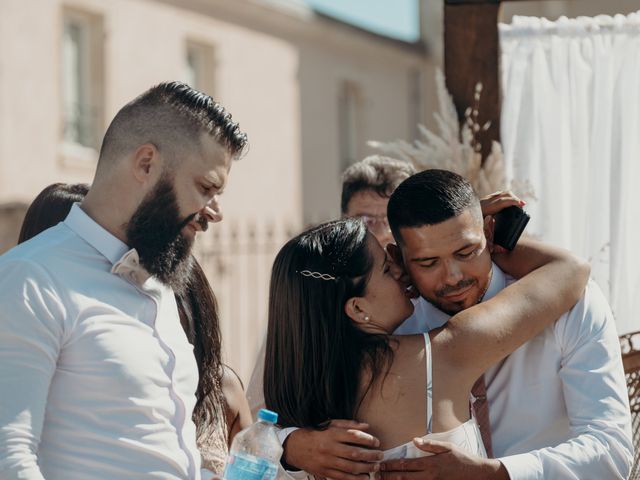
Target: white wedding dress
(466,436)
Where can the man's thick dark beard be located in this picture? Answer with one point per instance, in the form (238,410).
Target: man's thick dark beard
(154,230)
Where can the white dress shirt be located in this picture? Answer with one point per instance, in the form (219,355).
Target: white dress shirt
(558,405)
(97,378)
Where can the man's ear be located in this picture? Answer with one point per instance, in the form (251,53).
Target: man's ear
(354,308)
(489,227)
(398,270)
(146,163)
(394,253)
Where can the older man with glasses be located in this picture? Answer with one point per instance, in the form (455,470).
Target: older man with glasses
(366,188)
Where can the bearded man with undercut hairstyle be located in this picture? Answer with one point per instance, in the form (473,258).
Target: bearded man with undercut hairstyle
(97,377)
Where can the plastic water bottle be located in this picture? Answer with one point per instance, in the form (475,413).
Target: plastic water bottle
(256,451)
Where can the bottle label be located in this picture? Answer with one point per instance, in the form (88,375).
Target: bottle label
(248,467)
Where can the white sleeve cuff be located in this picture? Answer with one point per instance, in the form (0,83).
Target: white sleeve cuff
(525,466)
(282,436)
(283,433)
(297,475)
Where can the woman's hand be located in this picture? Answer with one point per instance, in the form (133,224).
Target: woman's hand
(447,461)
(495,203)
(492,204)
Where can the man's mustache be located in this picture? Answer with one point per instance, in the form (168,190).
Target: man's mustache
(452,289)
(195,217)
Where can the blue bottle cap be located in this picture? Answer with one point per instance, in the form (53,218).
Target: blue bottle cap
(267,415)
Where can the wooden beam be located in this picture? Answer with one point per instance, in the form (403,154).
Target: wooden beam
(471,53)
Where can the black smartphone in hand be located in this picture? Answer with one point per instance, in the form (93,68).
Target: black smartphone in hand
(510,224)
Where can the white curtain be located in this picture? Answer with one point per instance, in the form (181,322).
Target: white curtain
(571,127)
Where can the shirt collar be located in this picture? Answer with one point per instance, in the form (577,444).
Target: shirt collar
(95,235)
(498,282)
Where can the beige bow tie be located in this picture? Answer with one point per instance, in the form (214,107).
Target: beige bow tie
(129,267)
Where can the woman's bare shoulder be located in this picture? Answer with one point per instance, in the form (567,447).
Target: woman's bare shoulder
(232,386)
(409,344)
(238,411)
(394,404)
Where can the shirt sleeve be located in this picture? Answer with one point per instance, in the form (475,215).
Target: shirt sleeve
(31,332)
(597,403)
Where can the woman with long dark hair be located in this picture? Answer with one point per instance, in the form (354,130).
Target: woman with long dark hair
(221,408)
(220,394)
(50,207)
(334,303)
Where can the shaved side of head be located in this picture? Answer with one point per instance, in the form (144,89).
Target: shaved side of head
(171,116)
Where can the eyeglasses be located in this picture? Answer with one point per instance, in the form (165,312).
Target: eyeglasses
(376,223)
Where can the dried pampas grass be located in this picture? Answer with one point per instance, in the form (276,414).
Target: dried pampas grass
(457,149)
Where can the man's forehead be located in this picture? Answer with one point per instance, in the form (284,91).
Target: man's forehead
(367,202)
(213,157)
(440,239)
(209,146)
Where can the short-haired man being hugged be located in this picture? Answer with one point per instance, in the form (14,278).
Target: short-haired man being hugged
(555,408)
(96,374)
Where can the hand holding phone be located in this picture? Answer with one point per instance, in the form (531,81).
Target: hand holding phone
(510,223)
